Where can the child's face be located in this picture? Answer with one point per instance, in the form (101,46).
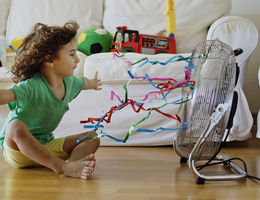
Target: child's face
(66,60)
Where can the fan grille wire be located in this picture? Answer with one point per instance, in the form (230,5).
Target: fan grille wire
(214,76)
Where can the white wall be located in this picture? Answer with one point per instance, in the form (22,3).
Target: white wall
(251,10)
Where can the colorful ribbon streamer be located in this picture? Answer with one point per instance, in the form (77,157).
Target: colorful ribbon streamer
(168,85)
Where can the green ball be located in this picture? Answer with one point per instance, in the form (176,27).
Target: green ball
(95,40)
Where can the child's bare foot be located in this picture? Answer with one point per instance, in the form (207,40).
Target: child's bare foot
(80,168)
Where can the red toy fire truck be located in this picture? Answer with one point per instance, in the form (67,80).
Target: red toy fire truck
(131,41)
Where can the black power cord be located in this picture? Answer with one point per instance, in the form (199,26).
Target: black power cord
(227,162)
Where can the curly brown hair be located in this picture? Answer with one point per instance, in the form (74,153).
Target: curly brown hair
(43,40)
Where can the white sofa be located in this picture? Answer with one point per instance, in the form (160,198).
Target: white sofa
(196,21)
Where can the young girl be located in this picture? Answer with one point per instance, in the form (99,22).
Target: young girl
(43,71)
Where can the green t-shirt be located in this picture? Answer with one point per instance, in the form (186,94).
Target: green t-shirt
(38,107)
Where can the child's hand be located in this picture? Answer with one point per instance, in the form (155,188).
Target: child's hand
(97,82)
(94,83)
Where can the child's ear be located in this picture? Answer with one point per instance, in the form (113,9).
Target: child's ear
(48,61)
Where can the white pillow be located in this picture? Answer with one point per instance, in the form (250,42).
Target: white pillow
(193,18)
(4,10)
(25,13)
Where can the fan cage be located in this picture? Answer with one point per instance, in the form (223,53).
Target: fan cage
(214,76)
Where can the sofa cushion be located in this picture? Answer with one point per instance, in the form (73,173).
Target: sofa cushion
(193,18)
(25,13)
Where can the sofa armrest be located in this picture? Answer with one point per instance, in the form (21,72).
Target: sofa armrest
(5,74)
(237,32)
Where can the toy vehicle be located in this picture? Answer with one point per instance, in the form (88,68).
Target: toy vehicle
(126,40)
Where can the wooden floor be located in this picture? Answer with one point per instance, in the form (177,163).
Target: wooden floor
(133,173)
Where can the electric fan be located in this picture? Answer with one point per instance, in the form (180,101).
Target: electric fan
(209,110)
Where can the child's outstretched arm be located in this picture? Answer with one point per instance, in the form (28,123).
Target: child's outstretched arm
(93,83)
(6,96)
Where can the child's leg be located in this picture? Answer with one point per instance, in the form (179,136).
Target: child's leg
(81,149)
(18,137)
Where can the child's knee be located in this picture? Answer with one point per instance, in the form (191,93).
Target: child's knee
(15,129)
(12,131)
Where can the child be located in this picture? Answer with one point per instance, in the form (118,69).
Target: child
(43,71)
